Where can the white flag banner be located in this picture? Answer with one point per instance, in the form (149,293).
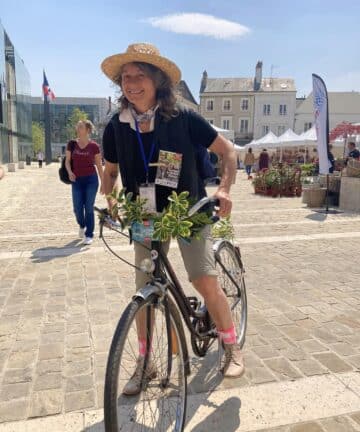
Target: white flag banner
(321,114)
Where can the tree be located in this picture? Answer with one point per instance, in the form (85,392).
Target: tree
(38,137)
(76,116)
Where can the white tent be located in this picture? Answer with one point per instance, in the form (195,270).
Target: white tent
(269,140)
(309,135)
(289,138)
(228,134)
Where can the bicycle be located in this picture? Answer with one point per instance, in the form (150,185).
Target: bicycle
(161,404)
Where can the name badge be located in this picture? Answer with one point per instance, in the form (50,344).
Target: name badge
(169,167)
(142,232)
(147,191)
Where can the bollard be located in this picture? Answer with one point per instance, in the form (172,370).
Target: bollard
(21,165)
(11,167)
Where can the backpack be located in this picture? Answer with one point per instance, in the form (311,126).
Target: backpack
(63,174)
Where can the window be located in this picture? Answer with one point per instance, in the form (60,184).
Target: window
(211,121)
(266,109)
(265,129)
(244,104)
(226,104)
(244,125)
(210,105)
(282,110)
(280,130)
(226,123)
(307,126)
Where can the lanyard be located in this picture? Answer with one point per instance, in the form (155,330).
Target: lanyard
(142,150)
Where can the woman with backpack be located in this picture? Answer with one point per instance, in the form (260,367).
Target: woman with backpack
(82,156)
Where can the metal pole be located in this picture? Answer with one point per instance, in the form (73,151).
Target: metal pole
(48,155)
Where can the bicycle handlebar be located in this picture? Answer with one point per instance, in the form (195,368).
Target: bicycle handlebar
(214,202)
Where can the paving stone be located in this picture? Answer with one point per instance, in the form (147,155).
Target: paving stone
(49,366)
(333,362)
(48,381)
(81,340)
(14,410)
(79,382)
(310,367)
(14,391)
(356,417)
(13,376)
(79,400)
(312,345)
(338,424)
(354,360)
(307,427)
(82,367)
(295,332)
(51,351)
(18,360)
(265,351)
(343,349)
(282,368)
(325,336)
(259,375)
(77,354)
(44,403)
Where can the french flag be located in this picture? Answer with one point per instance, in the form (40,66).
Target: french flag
(47,92)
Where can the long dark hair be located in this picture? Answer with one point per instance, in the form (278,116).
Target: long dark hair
(165,92)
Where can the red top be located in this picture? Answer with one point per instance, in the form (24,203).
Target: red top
(83,160)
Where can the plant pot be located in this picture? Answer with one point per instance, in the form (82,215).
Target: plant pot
(314,197)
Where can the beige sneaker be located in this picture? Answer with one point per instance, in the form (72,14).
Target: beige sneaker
(133,386)
(233,361)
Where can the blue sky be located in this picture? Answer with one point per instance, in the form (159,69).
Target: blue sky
(70,39)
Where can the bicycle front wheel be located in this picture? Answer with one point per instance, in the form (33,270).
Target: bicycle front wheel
(231,278)
(160,402)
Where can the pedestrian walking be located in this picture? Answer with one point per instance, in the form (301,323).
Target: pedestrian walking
(82,155)
(264,160)
(40,158)
(249,162)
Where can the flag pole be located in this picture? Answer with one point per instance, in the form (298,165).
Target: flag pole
(48,155)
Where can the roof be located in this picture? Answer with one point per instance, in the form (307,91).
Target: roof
(184,91)
(227,85)
(339,103)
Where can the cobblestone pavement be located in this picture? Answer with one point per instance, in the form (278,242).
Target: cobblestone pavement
(60,302)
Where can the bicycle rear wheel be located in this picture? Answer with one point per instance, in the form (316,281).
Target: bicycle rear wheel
(161,403)
(231,278)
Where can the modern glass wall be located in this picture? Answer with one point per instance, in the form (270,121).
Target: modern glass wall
(59,117)
(15,103)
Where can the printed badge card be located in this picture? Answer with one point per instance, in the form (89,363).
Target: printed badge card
(169,167)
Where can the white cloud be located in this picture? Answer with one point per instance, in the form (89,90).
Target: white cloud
(199,24)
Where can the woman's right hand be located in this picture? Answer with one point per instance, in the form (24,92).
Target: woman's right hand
(72,176)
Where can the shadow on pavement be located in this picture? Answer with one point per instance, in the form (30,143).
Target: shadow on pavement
(49,253)
(224,416)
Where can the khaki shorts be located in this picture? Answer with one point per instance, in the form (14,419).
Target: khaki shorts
(198,257)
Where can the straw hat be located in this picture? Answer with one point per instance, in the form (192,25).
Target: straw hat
(140,52)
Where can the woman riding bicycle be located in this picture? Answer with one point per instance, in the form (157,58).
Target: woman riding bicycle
(150,128)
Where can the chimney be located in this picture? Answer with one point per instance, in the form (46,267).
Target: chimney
(203,81)
(258,76)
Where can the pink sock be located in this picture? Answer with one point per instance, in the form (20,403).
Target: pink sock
(142,347)
(228,336)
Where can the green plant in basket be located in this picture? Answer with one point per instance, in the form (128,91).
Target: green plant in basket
(223,229)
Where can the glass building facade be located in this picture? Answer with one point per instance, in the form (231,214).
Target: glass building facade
(61,109)
(15,103)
